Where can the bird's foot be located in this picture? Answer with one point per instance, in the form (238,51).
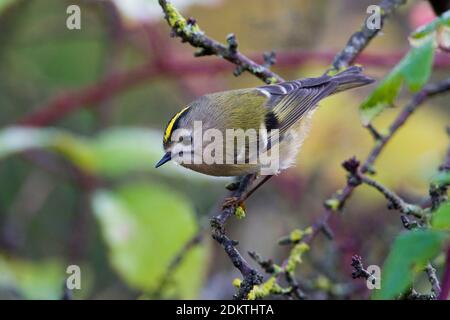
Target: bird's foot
(233,202)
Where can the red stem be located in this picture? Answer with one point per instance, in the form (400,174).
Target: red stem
(176,67)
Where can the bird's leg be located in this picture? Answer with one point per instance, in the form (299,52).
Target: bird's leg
(236,197)
(240,195)
(231,202)
(258,185)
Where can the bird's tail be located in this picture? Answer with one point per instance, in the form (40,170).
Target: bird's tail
(350,78)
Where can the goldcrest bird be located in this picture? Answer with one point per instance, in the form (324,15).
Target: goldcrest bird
(285,108)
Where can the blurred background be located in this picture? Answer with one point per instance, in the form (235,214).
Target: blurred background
(81,120)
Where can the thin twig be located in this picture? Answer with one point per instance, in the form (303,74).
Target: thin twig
(438,191)
(179,257)
(251,276)
(113,84)
(428,91)
(396,202)
(360,271)
(359,40)
(434,281)
(189,31)
(445,289)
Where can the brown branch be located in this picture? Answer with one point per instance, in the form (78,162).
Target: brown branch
(179,257)
(189,31)
(359,40)
(93,95)
(437,196)
(356,177)
(251,276)
(428,91)
(359,270)
(115,83)
(338,200)
(445,290)
(414,295)
(438,191)
(433,279)
(396,202)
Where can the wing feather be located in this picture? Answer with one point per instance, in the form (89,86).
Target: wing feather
(290,101)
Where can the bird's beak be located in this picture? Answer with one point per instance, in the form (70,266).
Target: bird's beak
(166,158)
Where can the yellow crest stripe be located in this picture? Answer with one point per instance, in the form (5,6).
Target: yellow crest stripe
(169,128)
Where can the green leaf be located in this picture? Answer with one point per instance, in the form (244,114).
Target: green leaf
(5,3)
(145,226)
(414,70)
(32,280)
(17,139)
(43,58)
(417,65)
(383,96)
(114,152)
(123,150)
(426,30)
(409,255)
(441,218)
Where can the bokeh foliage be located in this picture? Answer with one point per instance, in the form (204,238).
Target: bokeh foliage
(125,230)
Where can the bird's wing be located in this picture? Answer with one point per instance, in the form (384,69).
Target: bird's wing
(289,101)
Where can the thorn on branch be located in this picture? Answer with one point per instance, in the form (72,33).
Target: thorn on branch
(266,264)
(356,177)
(414,295)
(433,279)
(408,224)
(359,271)
(374,132)
(232,43)
(351,166)
(191,21)
(270,58)
(203,52)
(360,39)
(250,276)
(246,286)
(438,189)
(296,291)
(189,31)
(238,71)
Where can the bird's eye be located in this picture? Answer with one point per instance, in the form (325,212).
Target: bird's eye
(185,140)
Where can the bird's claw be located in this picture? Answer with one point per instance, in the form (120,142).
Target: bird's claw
(232,202)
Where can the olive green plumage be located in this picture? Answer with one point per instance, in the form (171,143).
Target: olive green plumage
(286,107)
